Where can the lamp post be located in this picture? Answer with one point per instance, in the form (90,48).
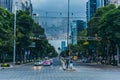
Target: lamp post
(14,49)
(68,26)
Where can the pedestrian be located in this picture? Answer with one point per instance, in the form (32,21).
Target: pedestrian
(67,63)
(71,65)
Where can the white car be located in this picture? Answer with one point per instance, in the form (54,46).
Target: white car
(38,63)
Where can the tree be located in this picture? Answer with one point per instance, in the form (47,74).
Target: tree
(95,20)
(109,30)
(5,32)
(23,33)
(94,28)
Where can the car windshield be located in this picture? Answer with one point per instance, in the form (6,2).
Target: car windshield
(59,39)
(38,61)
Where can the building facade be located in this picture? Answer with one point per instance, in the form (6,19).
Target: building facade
(116,2)
(63,45)
(7,4)
(76,27)
(91,8)
(100,3)
(93,5)
(106,2)
(74,32)
(24,5)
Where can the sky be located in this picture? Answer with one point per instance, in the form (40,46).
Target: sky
(57,27)
(60,5)
(58,8)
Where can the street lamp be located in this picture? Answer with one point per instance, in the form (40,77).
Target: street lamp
(14,49)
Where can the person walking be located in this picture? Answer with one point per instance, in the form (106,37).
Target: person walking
(67,63)
(71,65)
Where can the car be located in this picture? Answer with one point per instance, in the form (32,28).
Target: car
(38,63)
(46,63)
(51,60)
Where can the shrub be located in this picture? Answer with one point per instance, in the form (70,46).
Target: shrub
(5,65)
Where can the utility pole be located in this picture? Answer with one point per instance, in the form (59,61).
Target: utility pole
(14,49)
(68,27)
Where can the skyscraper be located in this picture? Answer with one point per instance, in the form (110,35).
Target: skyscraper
(74,32)
(24,5)
(91,8)
(100,3)
(76,27)
(7,4)
(93,5)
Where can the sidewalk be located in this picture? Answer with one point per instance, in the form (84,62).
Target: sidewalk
(13,66)
(97,65)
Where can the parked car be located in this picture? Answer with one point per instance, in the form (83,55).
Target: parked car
(46,63)
(38,63)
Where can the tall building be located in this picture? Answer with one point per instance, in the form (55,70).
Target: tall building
(88,11)
(106,2)
(7,4)
(18,4)
(116,2)
(27,6)
(74,33)
(91,8)
(93,5)
(24,5)
(76,27)
(63,45)
(100,3)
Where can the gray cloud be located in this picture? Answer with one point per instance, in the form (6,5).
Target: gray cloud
(54,8)
(59,5)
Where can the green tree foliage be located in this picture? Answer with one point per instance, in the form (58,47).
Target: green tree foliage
(80,45)
(106,23)
(25,28)
(109,25)
(5,32)
(23,31)
(95,20)
(109,31)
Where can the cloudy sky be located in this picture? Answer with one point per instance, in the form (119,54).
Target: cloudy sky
(59,5)
(59,8)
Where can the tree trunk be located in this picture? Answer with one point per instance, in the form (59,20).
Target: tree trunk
(117,54)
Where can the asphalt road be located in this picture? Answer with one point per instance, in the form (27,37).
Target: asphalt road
(55,72)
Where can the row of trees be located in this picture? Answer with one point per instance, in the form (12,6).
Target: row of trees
(25,28)
(106,24)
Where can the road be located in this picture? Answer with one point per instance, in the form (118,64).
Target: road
(55,72)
